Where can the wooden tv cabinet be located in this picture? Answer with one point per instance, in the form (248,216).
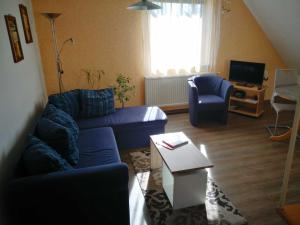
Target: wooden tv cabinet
(252,104)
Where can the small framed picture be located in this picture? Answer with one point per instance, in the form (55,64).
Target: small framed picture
(14,38)
(26,24)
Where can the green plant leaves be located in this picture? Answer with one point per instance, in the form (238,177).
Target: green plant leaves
(123,89)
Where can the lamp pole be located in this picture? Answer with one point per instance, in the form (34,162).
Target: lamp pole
(52,17)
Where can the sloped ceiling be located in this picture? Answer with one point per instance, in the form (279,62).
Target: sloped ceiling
(280,20)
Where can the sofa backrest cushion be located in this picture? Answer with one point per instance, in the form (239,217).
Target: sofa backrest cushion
(208,84)
(96,102)
(49,109)
(62,118)
(60,138)
(67,101)
(39,158)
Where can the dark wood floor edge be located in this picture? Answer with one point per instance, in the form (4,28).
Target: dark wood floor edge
(176,111)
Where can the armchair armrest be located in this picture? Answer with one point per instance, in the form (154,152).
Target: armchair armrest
(90,195)
(193,92)
(225,90)
(193,102)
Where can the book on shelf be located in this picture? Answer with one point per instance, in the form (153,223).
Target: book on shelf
(175,140)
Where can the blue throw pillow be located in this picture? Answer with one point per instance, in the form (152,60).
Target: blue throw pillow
(62,118)
(60,138)
(67,101)
(49,109)
(96,102)
(39,158)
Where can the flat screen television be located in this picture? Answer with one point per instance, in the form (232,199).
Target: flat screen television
(246,72)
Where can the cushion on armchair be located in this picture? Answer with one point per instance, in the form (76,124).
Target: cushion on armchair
(39,158)
(96,102)
(211,102)
(208,84)
(67,101)
(60,138)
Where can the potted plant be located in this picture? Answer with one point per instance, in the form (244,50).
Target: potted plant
(123,89)
(93,76)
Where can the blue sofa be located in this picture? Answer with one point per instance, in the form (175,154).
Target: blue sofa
(95,191)
(208,98)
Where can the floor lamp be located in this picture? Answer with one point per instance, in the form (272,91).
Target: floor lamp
(52,17)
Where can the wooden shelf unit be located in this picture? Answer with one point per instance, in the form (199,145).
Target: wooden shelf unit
(252,104)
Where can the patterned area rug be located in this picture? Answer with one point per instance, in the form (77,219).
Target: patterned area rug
(218,210)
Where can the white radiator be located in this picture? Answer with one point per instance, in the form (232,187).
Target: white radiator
(166,91)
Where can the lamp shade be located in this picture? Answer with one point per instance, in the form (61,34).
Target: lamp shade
(143,5)
(51,15)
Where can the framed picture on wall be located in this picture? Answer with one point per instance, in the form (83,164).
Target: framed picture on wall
(14,38)
(26,24)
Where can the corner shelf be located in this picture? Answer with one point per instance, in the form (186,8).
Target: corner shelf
(251,105)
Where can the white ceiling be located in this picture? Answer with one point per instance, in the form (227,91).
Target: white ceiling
(280,20)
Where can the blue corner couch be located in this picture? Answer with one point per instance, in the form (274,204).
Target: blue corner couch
(95,191)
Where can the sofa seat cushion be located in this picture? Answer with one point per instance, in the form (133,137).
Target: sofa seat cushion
(127,118)
(97,147)
(211,102)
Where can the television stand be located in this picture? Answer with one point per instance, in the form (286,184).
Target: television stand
(250,105)
(245,84)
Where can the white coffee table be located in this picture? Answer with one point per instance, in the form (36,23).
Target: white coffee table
(184,177)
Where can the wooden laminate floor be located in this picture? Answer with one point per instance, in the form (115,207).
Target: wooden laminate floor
(248,166)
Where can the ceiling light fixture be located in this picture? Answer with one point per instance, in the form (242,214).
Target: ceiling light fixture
(143,5)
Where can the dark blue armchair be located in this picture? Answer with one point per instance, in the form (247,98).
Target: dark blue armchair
(208,98)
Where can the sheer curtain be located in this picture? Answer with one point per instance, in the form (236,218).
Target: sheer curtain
(182,37)
(210,34)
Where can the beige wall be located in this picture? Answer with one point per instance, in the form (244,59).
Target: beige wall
(109,37)
(22,90)
(243,39)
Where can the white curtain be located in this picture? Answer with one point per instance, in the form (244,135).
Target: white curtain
(182,37)
(210,34)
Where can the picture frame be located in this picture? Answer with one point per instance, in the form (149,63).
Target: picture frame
(13,34)
(26,24)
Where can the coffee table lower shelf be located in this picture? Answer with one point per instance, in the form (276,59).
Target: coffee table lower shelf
(184,189)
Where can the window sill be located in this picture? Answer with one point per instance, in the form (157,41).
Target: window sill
(170,76)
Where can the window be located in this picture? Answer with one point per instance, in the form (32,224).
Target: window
(176,38)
